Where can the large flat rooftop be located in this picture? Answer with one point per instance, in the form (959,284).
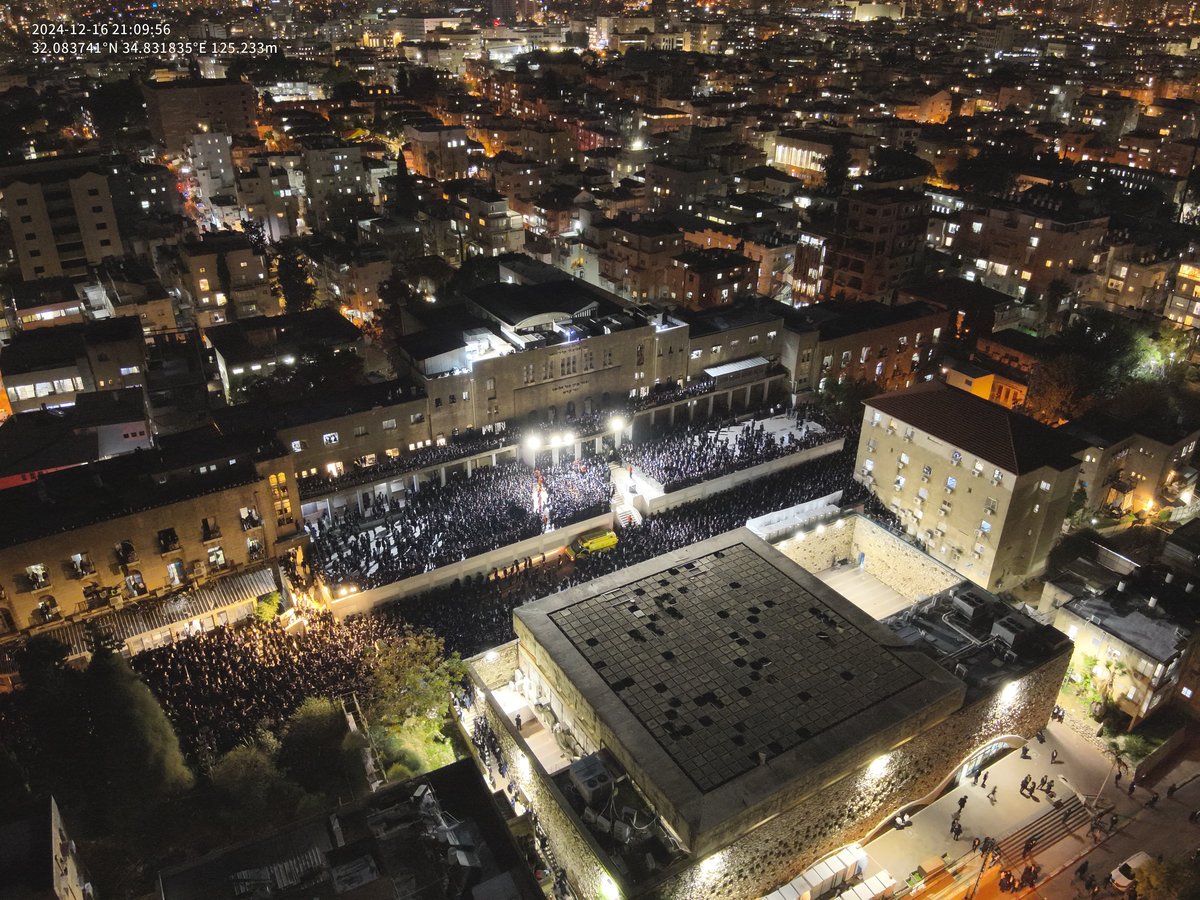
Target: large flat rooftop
(727,671)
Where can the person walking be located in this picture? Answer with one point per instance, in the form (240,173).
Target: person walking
(1081,871)
(985,778)
(962,801)
(992,794)
(1053,757)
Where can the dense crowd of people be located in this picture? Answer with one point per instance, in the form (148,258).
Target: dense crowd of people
(219,687)
(399,537)
(692,453)
(474,614)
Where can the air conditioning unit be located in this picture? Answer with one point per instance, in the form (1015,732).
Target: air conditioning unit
(592,779)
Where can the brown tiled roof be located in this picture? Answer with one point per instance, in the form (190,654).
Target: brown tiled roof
(975,426)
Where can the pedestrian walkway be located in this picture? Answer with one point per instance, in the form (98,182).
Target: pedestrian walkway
(1008,815)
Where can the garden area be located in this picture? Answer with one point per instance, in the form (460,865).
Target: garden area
(1088,696)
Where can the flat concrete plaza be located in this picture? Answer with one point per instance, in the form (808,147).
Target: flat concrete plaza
(865,591)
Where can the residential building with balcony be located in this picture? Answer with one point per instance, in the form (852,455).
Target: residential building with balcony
(1141,465)
(889,346)
(1021,248)
(704,279)
(637,258)
(1139,635)
(200,504)
(61,215)
(877,243)
(222,277)
(984,489)
(266,194)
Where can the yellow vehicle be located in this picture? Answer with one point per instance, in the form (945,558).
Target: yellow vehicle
(593,541)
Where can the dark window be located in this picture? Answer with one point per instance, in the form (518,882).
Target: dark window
(93,192)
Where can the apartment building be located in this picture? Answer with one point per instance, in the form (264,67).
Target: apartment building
(890,346)
(199,505)
(638,257)
(47,367)
(178,109)
(1022,248)
(702,279)
(1141,633)
(877,243)
(222,277)
(252,348)
(984,489)
(681,185)
(210,158)
(349,279)
(335,180)
(266,195)
(470,220)
(442,152)
(774,253)
(61,215)
(1141,465)
(1183,303)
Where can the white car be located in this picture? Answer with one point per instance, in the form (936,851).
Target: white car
(1124,875)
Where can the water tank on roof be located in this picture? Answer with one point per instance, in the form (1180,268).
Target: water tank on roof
(592,779)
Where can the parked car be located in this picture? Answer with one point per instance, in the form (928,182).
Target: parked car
(1124,875)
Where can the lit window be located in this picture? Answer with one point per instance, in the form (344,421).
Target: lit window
(1187,692)
(330,439)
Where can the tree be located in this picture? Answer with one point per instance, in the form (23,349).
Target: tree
(253,793)
(137,752)
(836,165)
(842,401)
(987,173)
(292,281)
(1168,880)
(1058,388)
(267,607)
(312,750)
(411,679)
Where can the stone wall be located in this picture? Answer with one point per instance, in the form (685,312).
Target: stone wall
(573,848)
(842,811)
(892,560)
(852,807)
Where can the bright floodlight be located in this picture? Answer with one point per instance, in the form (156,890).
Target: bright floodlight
(878,767)
(533,442)
(617,423)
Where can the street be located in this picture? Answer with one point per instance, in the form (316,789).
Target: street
(1059,825)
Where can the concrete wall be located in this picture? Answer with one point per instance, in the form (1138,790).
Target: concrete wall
(549,543)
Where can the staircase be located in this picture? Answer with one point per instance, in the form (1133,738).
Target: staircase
(1049,829)
(626,515)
